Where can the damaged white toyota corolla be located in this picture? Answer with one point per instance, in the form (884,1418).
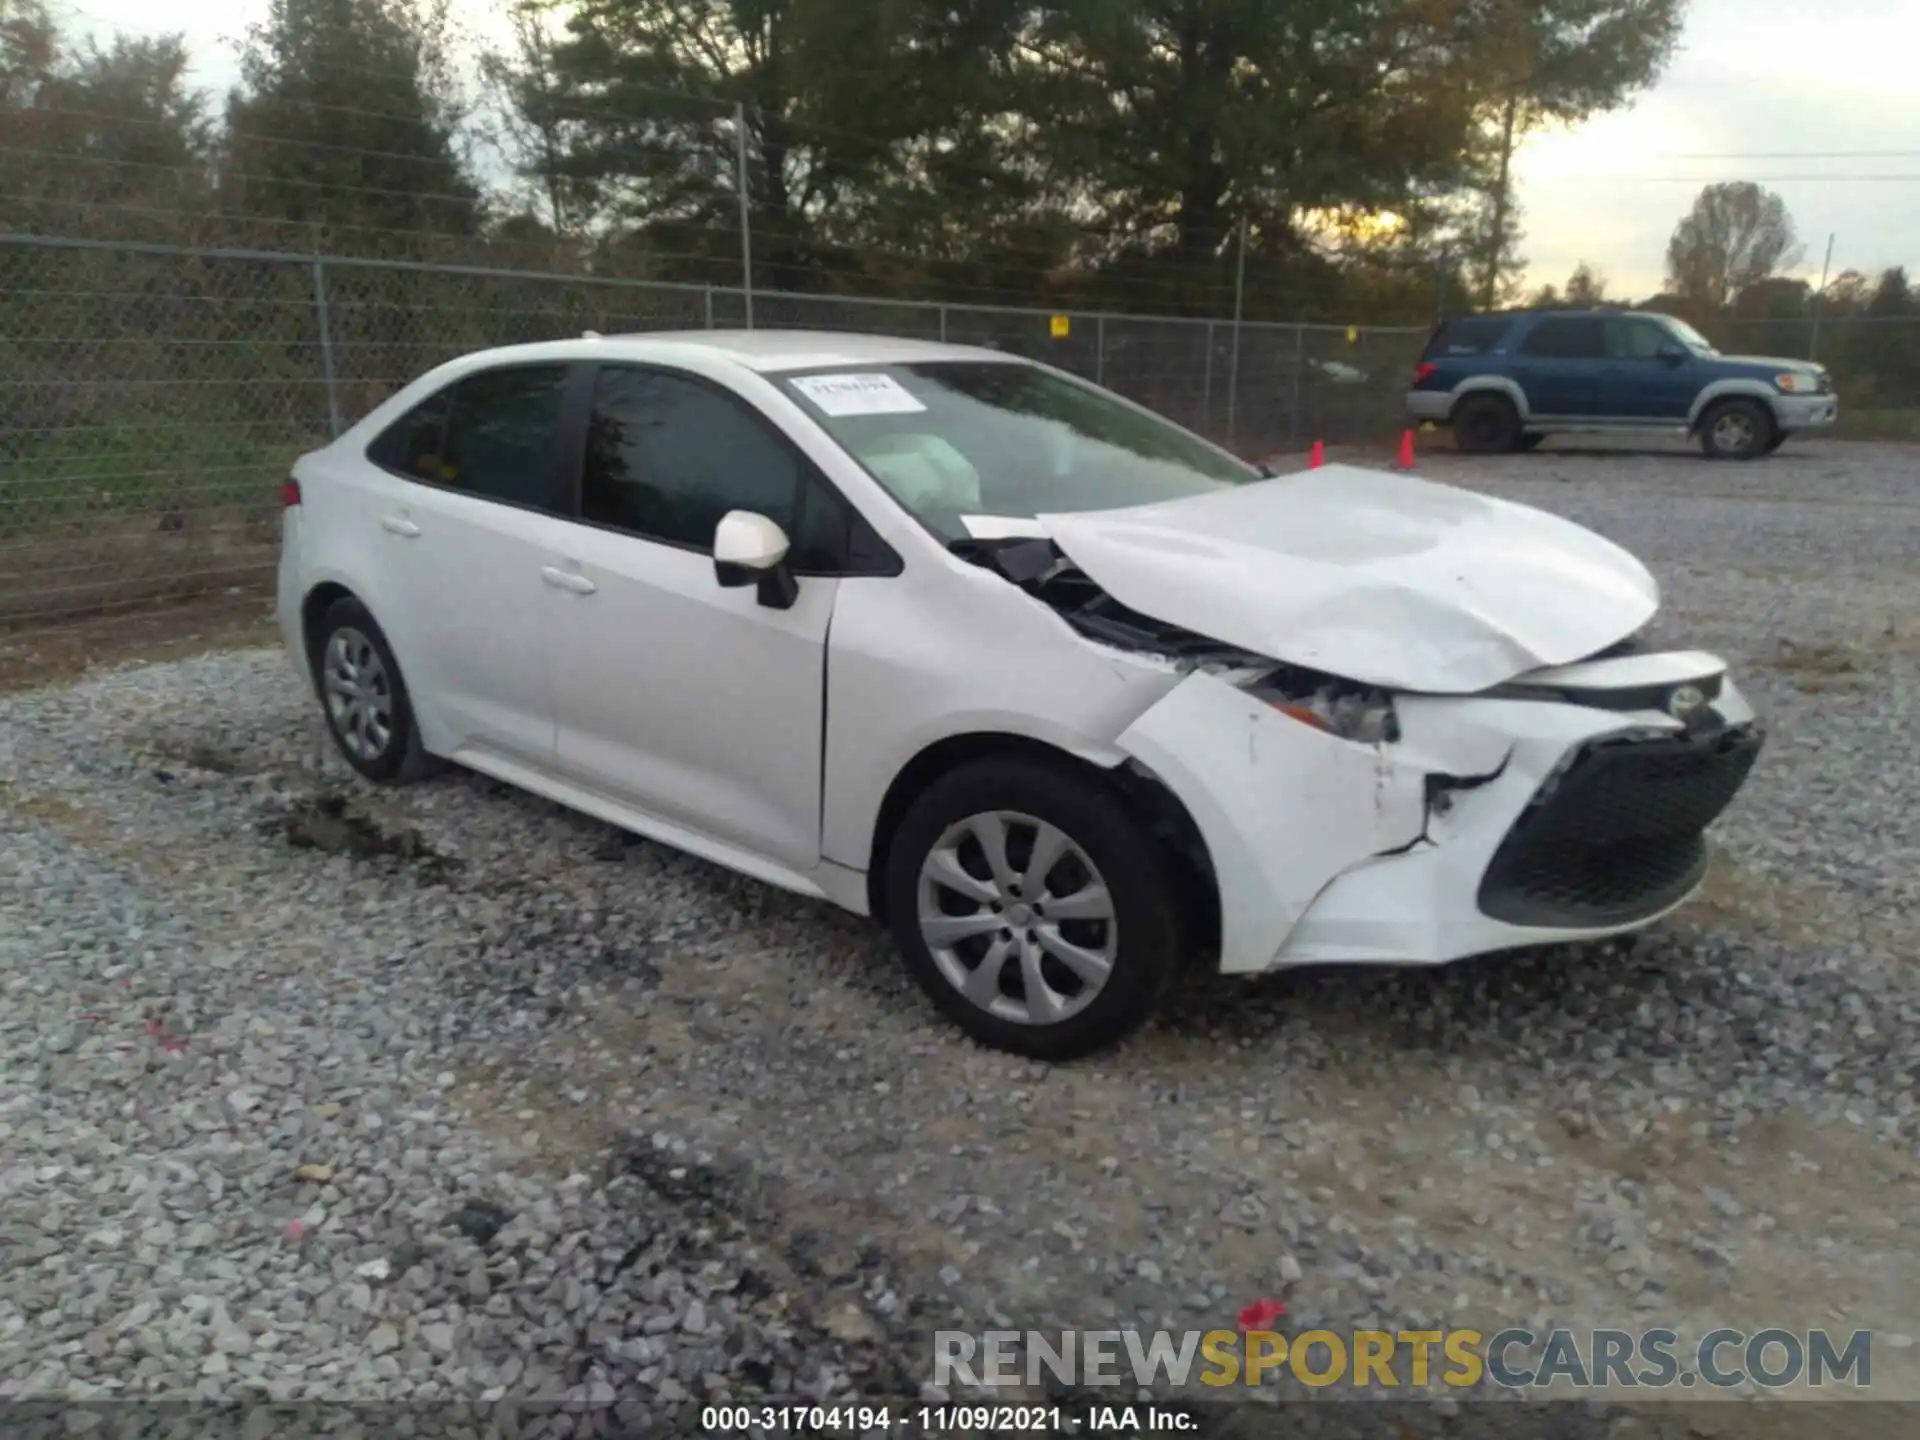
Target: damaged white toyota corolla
(1062,693)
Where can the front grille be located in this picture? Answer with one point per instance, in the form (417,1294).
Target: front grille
(1618,835)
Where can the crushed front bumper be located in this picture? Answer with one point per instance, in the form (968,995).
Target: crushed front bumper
(1494,822)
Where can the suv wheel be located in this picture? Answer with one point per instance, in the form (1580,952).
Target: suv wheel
(1033,908)
(367,707)
(1736,430)
(1486,425)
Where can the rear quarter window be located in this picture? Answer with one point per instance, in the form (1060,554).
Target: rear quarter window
(1470,335)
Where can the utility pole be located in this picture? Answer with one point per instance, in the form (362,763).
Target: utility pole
(746,227)
(1819,303)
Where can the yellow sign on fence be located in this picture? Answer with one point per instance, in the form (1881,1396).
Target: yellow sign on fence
(1061,327)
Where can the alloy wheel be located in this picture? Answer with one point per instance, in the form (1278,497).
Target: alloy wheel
(1733,432)
(359,694)
(1017,917)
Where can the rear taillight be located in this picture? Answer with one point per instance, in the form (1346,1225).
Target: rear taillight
(1423,370)
(289,492)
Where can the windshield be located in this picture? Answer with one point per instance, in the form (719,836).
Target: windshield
(954,438)
(1691,337)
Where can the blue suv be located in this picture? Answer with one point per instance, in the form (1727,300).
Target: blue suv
(1506,381)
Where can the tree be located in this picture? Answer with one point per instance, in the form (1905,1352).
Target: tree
(1586,287)
(1544,62)
(1735,235)
(345,129)
(100,139)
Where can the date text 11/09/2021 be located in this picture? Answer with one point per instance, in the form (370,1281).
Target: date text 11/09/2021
(942,1420)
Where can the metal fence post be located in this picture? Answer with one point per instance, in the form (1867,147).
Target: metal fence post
(943,324)
(1299,370)
(746,225)
(709,301)
(1099,349)
(326,347)
(1206,384)
(1233,362)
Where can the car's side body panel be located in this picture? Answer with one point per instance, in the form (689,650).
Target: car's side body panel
(963,652)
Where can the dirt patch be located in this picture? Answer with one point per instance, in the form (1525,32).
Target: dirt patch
(1812,667)
(35,656)
(326,823)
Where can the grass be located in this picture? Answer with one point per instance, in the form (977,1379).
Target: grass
(78,476)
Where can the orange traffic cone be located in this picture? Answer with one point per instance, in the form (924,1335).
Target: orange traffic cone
(1317,456)
(1406,450)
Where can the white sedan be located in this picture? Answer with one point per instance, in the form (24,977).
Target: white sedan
(1064,695)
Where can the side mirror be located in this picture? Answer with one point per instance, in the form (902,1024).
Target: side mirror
(1672,352)
(750,549)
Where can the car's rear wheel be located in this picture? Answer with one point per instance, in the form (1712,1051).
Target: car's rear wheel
(1486,425)
(369,713)
(1736,430)
(1033,908)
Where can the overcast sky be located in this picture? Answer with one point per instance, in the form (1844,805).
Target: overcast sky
(1787,92)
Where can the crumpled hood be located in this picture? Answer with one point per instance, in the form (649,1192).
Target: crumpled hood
(1370,575)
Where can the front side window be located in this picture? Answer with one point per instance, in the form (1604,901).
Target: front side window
(953,438)
(1690,337)
(1635,339)
(492,434)
(1571,338)
(667,457)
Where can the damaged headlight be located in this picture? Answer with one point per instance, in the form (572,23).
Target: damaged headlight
(1359,713)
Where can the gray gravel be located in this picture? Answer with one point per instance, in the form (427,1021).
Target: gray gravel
(309,1090)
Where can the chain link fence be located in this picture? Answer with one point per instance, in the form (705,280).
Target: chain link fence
(152,397)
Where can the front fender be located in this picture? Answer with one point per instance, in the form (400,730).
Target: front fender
(1283,807)
(1744,387)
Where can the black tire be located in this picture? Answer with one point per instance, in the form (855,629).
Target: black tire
(1486,425)
(1736,429)
(1778,439)
(401,758)
(1528,442)
(1146,934)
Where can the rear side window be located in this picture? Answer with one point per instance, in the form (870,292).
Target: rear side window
(493,434)
(1469,335)
(1565,338)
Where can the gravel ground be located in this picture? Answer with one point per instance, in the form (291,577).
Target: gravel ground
(313,1091)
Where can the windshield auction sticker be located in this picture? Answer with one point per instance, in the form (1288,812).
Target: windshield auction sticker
(858,394)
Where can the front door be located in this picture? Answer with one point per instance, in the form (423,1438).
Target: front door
(692,702)
(1642,385)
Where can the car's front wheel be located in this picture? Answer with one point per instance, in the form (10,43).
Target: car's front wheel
(1033,907)
(369,713)
(1736,430)
(1777,439)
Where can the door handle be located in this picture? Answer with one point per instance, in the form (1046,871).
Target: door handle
(567,580)
(399,525)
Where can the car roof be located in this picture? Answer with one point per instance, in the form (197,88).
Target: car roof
(766,351)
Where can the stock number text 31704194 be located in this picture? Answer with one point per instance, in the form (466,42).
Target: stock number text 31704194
(879,1419)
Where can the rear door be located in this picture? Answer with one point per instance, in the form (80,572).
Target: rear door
(480,512)
(1560,364)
